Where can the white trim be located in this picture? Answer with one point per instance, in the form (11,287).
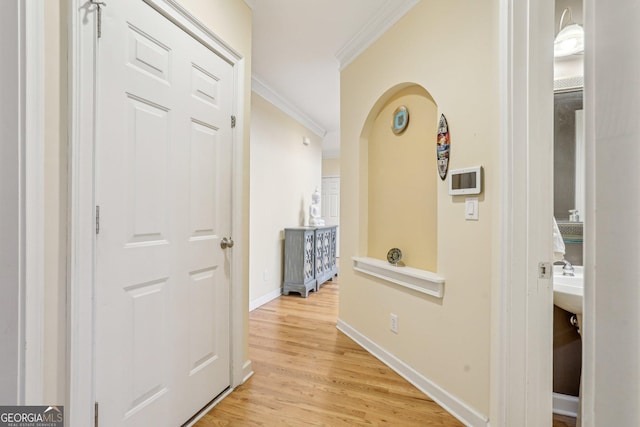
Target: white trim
(80,374)
(452,404)
(501,374)
(13,191)
(270,296)
(247,370)
(238,297)
(173,11)
(388,15)
(521,378)
(418,280)
(80,322)
(34,203)
(588,333)
(264,90)
(564,404)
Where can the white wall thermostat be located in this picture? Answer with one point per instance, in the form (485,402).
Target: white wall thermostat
(465,181)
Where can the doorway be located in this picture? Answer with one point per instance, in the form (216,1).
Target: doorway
(142,44)
(163,195)
(331,205)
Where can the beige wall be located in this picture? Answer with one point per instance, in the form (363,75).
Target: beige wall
(231,21)
(331,167)
(404,176)
(446,340)
(284,174)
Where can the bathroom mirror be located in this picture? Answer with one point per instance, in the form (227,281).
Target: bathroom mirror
(568,169)
(568,155)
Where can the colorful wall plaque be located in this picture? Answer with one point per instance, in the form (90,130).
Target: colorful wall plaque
(444,147)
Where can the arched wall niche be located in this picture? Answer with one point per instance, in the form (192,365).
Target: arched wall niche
(399,179)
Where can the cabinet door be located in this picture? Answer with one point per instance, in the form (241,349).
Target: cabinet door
(333,248)
(326,251)
(309,246)
(319,253)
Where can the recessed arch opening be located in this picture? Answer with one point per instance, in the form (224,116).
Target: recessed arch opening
(399,178)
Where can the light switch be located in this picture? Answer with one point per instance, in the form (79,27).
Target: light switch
(471,208)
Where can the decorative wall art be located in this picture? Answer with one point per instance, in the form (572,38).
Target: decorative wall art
(444,147)
(394,256)
(400,120)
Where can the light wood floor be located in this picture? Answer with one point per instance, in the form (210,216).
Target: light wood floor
(562,421)
(309,373)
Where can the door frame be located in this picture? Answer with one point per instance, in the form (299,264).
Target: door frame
(521,379)
(22,186)
(82,257)
(34,203)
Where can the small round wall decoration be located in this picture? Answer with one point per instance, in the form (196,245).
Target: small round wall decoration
(394,256)
(400,120)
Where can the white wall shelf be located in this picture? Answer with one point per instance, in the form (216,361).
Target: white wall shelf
(413,278)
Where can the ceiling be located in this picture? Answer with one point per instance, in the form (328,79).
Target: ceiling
(299,47)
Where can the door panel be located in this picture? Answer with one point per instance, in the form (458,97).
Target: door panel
(163,162)
(145,166)
(331,205)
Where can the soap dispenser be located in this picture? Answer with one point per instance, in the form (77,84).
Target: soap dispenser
(573,215)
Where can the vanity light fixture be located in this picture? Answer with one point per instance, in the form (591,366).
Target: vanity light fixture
(570,38)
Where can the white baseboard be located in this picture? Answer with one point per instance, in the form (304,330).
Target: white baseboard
(564,404)
(247,371)
(449,402)
(253,304)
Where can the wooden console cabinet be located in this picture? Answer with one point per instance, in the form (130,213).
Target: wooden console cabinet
(309,258)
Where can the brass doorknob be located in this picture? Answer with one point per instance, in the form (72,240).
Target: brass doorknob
(226,243)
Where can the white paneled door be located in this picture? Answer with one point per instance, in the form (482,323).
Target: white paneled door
(330,204)
(163,162)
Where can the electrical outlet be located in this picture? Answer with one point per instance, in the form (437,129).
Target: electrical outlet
(265,276)
(394,323)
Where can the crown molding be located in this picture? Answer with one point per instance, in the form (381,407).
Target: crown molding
(262,89)
(250,3)
(388,15)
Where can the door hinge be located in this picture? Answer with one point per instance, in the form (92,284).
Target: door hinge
(97,219)
(544,270)
(233,121)
(95,416)
(99,4)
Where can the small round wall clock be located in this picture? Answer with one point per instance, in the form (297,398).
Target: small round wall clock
(400,120)
(394,256)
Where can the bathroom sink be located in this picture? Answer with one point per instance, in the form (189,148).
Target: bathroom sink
(568,290)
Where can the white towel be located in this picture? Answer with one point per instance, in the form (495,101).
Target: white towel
(558,243)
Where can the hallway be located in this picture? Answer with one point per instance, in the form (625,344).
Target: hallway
(309,373)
